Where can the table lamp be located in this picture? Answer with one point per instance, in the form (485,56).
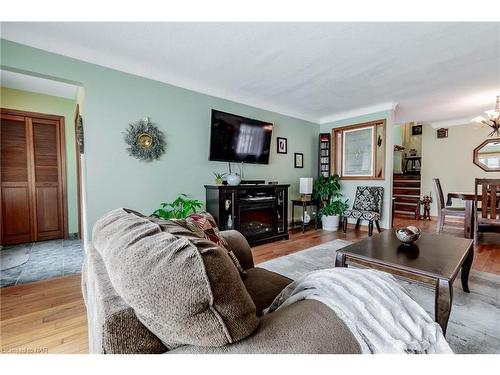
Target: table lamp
(306,188)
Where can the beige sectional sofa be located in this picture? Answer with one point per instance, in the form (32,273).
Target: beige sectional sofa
(303,327)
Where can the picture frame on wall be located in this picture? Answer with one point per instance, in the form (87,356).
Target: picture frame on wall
(442,133)
(416,130)
(281,144)
(358,159)
(299,160)
(359,151)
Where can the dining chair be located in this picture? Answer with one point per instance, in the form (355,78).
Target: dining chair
(444,210)
(486,206)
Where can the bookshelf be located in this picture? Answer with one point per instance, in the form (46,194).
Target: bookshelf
(324,154)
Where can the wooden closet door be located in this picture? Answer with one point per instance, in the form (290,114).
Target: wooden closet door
(16,205)
(48,189)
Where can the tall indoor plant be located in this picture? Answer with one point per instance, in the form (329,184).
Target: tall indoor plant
(327,191)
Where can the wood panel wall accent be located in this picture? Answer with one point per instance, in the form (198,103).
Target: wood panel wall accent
(78,173)
(33,177)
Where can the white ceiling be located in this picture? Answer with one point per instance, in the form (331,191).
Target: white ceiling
(315,71)
(36,84)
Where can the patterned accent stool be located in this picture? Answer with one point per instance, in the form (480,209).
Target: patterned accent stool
(367,206)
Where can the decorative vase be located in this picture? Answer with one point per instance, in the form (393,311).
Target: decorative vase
(330,223)
(229,224)
(306,218)
(233,179)
(218,181)
(408,235)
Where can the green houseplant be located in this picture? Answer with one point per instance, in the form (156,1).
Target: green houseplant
(336,207)
(180,208)
(327,191)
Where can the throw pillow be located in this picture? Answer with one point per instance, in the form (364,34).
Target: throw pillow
(203,225)
(183,288)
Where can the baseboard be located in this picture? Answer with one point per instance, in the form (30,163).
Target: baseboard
(72,236)
(362,227)
(362,224)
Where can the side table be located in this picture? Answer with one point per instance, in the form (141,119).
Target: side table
(304,204)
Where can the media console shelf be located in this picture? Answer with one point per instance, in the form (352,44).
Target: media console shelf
(259,212)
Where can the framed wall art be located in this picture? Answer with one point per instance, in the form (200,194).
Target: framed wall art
(442,133)
(299,160)
(359,151)
(416,130)
(281,144)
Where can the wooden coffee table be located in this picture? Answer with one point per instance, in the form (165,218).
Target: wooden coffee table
(434,259)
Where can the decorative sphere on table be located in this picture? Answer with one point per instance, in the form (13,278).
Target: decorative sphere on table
(233,179)
(408,235)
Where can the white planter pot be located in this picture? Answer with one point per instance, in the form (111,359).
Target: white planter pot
(330,223)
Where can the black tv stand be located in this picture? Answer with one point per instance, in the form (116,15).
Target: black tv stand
(252,182)
(259,212)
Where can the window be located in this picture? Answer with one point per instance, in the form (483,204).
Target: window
(359,151)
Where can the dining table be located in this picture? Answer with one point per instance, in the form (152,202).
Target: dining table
(470,216)
(468,198)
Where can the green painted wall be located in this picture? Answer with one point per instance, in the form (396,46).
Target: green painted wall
(53,105)
(349,187)
(113,99)
(398,135)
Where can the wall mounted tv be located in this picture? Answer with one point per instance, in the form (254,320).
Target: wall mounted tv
(235,138)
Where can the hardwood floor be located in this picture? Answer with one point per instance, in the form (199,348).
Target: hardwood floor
(44,317)
(486,257)
(49,316)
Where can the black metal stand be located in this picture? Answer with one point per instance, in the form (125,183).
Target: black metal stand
(304,204)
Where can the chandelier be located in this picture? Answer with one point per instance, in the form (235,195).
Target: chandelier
(493,120)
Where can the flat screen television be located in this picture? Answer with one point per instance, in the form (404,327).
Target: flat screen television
(235,138)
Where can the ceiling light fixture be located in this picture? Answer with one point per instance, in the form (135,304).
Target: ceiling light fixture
(493,120)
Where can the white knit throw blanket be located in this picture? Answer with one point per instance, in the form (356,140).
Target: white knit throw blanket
(377,310)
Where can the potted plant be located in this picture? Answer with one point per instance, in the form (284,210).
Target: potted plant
(180,208)
(327,191)
(219,178)
(330,214)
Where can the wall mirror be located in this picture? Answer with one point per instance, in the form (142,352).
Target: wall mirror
(487,155)
(359,151)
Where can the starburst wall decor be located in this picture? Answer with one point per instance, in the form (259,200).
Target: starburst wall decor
(146,142)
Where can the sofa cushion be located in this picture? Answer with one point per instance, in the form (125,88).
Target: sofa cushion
(183,288)
(304,327)
(239,246)
(203,225)
(113,324)
(263,286)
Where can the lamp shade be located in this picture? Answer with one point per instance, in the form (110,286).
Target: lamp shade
(306,185)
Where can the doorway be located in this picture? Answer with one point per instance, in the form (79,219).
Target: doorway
(406,169)
(33,178)
(39,179)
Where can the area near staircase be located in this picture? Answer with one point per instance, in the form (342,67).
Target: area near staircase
(406,191)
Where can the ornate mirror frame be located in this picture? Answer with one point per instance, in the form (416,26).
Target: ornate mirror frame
(475,156)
